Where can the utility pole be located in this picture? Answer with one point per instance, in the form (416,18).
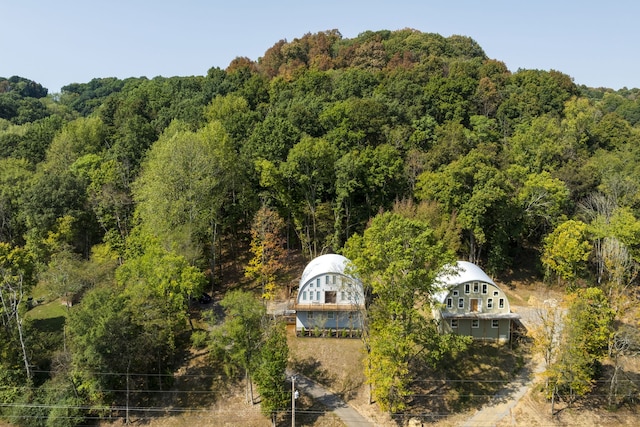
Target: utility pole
(294,396)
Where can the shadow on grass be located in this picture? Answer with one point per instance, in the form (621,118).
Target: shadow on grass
(481,374)
(51,324)
(312,368)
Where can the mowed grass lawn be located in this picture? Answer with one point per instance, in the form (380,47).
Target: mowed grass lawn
(48,317)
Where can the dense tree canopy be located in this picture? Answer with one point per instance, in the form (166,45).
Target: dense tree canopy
(146,188)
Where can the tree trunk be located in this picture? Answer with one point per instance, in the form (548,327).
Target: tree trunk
(248,387)
(213,255)
(24,349)
(613,386)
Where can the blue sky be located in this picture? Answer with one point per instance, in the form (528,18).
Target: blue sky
(57,42)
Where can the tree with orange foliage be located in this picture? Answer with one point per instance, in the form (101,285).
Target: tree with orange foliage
(267,247)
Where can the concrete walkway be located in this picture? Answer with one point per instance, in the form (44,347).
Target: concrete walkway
(349,416)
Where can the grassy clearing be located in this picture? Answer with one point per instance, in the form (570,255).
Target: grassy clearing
(336,363)
(48,319)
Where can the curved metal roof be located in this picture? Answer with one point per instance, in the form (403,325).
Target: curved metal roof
(465,272)
(328,263)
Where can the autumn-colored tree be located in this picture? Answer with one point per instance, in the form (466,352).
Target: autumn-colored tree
(267,247)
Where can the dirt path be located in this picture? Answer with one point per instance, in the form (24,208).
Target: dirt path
(504,401)
(349,416)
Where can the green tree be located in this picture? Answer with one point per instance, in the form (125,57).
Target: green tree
(234,113)
(477,190)
(63,276)
(15,175)
(566,250)
(182,188)
(110,198)
(367,181)
(309,173)
(111,337)
(270,370)
(237,342)
(166,278)
(16,280)
(398,259)
(542,201)
(77,138)
(531,93)
(355,122)
(271,139)
(586,334)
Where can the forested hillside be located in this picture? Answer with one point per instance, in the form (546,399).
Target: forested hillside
(126,198)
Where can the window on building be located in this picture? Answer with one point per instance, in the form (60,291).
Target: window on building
(454,323)
(475,323)
(449,302)
(311,295)
(476,287)
(484,288)
(309,314)
(333,279)
(495,323)
(318,282)
(331,315)
(326,279)
(318,295)
(460,302)
(490,303)
(501,303)
(343,296)
(495,293)
(475,304)
(466,288)
(455,293)
(304,295)
(330,297)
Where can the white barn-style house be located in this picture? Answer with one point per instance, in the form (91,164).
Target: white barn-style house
(329,301)
(470,303)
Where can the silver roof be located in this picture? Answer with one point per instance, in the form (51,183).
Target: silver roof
(324,264)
